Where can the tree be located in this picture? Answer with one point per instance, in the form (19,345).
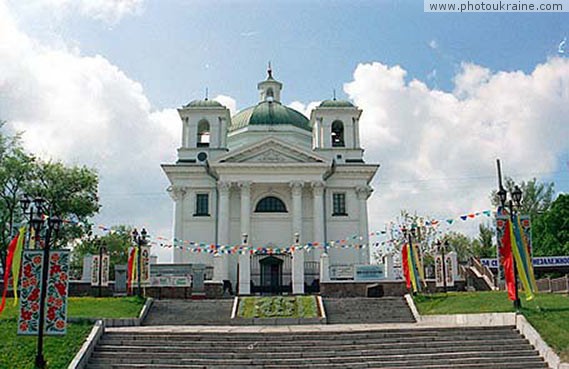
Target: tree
(461,244)
(551,229)
(483,247)
(537,197)
(71,193)
(117,242)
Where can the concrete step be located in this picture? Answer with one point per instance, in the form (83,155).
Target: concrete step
(190,312)
(368,310)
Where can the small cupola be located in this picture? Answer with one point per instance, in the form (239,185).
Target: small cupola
(270,89)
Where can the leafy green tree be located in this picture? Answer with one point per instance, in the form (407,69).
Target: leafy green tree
(536,199)
(551,229)
(461,244)
(71,193)
(482,246)
(117,242)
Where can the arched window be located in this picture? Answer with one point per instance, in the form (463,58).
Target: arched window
(203,133)
(270,204)
(270,96)
(338,134)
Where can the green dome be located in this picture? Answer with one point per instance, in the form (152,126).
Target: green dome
(269,113)
(336,104)
(203,104)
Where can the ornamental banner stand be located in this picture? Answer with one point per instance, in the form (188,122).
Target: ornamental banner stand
(56,299)
(103,272)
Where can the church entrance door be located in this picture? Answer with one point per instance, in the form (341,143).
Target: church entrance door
(271,275)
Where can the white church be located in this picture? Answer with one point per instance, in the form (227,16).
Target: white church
(270,177)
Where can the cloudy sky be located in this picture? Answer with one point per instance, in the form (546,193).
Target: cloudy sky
(96,82)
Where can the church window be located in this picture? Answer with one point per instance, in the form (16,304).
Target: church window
(203,133)
(270,204)
(339,204)
(338,134)
(202,204)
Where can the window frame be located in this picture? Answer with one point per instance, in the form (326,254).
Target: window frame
(343,202)
(280,201)
(197,209)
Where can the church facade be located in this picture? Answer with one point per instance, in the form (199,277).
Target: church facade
(270,177)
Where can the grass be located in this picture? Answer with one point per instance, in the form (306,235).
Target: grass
(18,352)
(548,313)
(278,307)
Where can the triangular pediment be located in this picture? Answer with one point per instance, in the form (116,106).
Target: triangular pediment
(271,151)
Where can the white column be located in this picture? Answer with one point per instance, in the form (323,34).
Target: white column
(389,267)
(296,187)
(324,268)
(318,212)
(178,194)
(223,133)
(244,256)
(185,132)
(356,133)
(298,255)
(298,271)
(363,192)
(223,227)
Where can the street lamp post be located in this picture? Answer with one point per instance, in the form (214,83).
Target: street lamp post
(140,240)
(53,226)
(516,195)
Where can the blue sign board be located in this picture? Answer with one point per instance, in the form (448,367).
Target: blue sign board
(369,272)
(542,261)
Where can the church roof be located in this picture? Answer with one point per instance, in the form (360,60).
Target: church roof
(336,104)
(269,113)
(203,104)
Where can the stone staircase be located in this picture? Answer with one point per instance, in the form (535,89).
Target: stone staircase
(367,310)
(429,348)
(190,312)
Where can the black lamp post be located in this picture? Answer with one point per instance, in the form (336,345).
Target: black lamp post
(139,240)
(53,225)
(516,195)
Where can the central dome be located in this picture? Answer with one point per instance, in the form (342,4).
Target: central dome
(269,113)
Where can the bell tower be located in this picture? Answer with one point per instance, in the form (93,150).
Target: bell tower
(335,131)
(204,130)
(270,89)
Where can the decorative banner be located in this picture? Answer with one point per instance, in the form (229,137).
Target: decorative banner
(95,264)
(503,235)
(9,258)
(17,262)
(145,265)
(523,258)
(450,271)
(526,229)
(56,296)
(439,271)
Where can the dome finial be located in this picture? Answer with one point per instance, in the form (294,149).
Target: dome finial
(206,94)
(334,98)
(269,71)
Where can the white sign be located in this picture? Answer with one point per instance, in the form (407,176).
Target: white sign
(171,281)
(341,272)
(105,267)
(439,271)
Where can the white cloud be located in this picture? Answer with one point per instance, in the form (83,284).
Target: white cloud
(438,149)
(85,110)
(304,108)
(228,102)
(433,44)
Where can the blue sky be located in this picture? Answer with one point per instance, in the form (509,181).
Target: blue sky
(177,48)
(157,55)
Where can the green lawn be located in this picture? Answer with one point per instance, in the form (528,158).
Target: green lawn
(19,351)
(548,313)
(278,307)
